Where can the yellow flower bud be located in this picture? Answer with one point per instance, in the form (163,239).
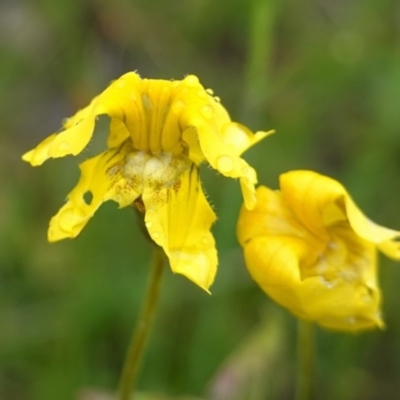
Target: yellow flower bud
(314,252)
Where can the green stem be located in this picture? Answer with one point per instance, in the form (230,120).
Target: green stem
(143,327)
(260,41)
(305,360)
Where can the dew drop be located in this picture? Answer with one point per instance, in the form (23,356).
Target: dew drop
(207,111)
(225,164)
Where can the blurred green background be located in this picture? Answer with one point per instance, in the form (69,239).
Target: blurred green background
(324,73)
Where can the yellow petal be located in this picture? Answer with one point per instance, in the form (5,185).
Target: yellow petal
(224,158)
(191,140)
(78,129)
(101,179)
(320,201)
(386,239)
(239,138)
(40,153)
(273,262)
(179,218)
(118,133)
(113,101)
(270,216)
(74,139)
(313,198)
(80,115)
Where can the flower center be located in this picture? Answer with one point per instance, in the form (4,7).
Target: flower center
(154,172)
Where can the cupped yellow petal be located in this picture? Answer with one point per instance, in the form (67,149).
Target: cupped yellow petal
(274,263)
(315,199)
(102,178)
(272,216)
(320,201)
(178,218)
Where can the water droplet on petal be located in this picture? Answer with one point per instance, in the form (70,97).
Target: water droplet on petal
(64,146)
(149,224)
(224,164)
(207,111)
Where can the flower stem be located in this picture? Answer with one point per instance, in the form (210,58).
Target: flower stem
(259,58)
(305,360)
(143,327)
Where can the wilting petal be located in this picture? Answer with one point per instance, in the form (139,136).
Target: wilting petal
(179,218)
(273,263)
(101,179)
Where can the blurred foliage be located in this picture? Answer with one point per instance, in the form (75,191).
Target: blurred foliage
(324,73)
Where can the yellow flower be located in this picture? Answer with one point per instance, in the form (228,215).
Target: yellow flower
(160,132)
(314,252)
